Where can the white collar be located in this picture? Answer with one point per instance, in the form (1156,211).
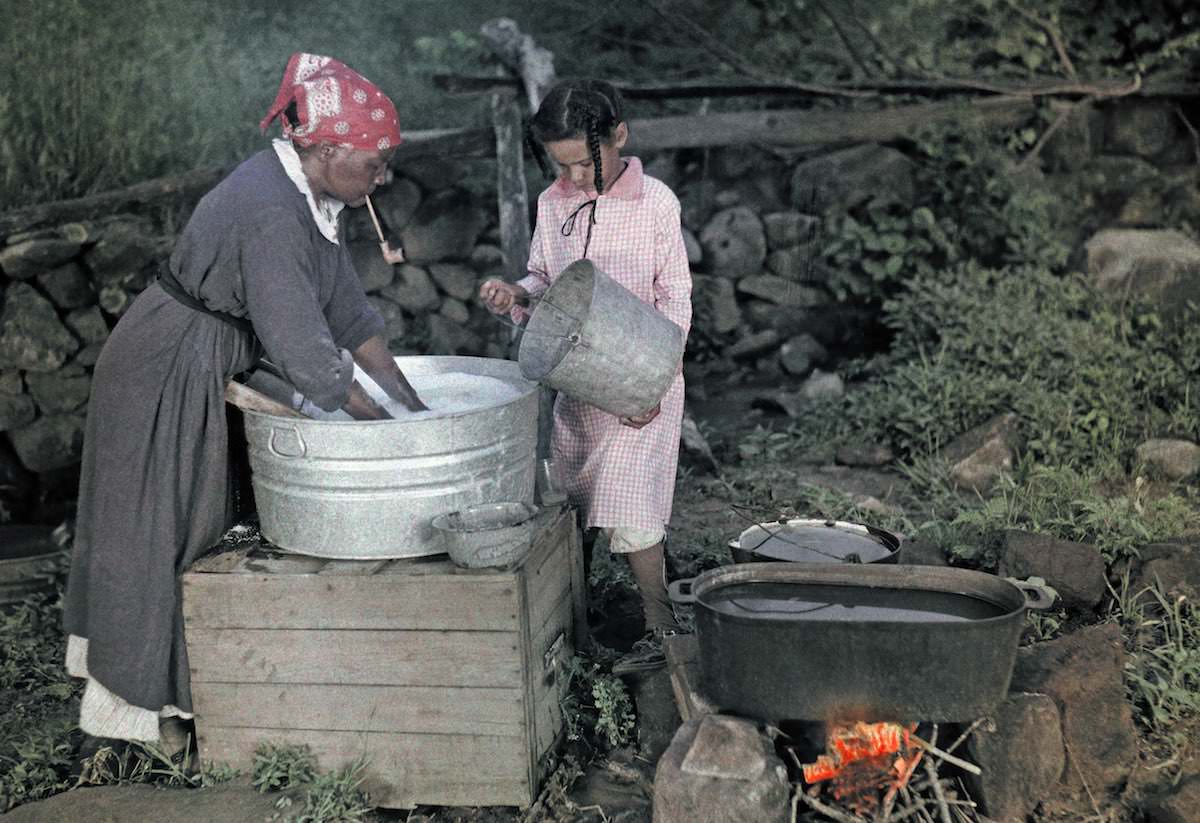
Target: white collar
(327,211)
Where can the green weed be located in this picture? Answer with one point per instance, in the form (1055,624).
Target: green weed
(596,705)
(282,766)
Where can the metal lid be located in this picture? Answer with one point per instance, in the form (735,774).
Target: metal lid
(817,541)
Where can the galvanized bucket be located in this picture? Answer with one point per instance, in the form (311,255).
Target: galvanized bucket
(360,490)
(491,534)
(592,339)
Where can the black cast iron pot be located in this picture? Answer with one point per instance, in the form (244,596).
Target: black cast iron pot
(832,642)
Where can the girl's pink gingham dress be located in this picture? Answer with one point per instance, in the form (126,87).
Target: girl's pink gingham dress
(618,475)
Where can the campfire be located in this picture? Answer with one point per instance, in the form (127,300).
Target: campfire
(877,772)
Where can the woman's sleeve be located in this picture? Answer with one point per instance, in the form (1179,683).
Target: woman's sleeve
(672,274)
(352,319)
(283,303)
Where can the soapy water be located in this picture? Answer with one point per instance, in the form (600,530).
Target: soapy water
(445,394)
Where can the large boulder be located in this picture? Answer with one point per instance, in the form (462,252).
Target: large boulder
(393,319)
(719,769)
(16,410)
(413,289)
(396,203)
(1084,673)
(1020,751)
(1075,570)
(445,227)
(852,176)
(29,257)
(374,272)
(1162,266)
(1172,567)
(455,279)
(448,337)
(801,354)
(734,242)
(50,443)
(1151,129)
(1173,459)
(62,391)
(126,253)
(68,286)
(31,336)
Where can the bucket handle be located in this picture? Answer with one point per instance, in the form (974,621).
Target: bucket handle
(1036,597)
(676,591)
(301,447)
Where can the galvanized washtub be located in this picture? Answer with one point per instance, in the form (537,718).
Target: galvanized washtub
(369,489)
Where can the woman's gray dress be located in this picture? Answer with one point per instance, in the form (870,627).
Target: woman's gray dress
(155,477)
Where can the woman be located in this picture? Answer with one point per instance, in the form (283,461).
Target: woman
(258,270)
(619,471)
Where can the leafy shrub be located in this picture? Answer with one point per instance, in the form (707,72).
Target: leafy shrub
(282,766)
(596,705)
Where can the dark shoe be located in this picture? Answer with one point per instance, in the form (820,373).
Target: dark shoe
(646,654)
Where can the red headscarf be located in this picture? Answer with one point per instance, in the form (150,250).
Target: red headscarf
(335,105)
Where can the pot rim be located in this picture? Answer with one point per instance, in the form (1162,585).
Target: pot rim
(965,582)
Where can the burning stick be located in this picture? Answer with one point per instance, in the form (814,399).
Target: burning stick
(391,255)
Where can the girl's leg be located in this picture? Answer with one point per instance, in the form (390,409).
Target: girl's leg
(650,573)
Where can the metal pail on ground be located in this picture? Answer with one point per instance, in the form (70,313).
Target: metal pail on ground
(366,489)
(592,339)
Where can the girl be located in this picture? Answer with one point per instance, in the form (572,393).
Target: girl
(619,471)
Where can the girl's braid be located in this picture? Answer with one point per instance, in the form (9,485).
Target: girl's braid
(591,125)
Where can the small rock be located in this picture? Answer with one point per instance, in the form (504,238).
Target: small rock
(798,263)
(455,279)
(487,258)
(789,229)
(979,457)
(396,203)
(657,717)
(23,260)
(694,442)
(917,552)
(874,505)
(1020,750)
(780,291)
(1075,570)
(867,455)
(68,286)
(753,344)
(1084,673)
(1150,129)
(822,386)
(11,383)
(1174,568)
(801,354)
(734,243)
(126,247)
(413,289)
(447,337)
(115,300)
(1180,805)
(1174,459)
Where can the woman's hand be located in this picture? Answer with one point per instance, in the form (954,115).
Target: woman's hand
(640,420)
(500,297)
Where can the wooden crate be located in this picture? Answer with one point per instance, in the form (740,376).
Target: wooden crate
(448,680)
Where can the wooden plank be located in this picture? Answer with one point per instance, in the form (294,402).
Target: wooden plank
(403,770)
(401,658)
(549,685)
(579,590)
(512,197)
(263,561)
(407,709)
(683,664)
(817,128)
(551,579)
(420,566)
(335,601)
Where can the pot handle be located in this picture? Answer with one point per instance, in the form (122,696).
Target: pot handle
(300,449)
(1036,597)
(677,593)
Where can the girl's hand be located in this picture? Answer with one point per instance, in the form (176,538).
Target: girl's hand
(500,297)
(640,420)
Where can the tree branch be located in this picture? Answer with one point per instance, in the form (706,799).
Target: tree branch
(1052,31)
(844,37)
